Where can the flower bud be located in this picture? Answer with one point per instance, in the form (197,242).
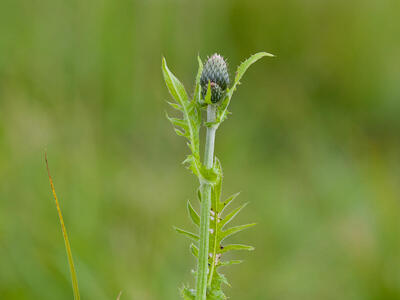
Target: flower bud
(215,71)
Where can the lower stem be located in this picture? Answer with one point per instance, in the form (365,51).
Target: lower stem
(205,206)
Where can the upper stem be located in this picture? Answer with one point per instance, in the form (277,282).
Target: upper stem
(210,137)
(205,206)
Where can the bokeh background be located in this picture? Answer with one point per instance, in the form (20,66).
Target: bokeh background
(313,144)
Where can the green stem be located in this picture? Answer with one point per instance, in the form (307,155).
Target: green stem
(202,265)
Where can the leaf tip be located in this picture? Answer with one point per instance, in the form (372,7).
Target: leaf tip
(164,63)
(268,54)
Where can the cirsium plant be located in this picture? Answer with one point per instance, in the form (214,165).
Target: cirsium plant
(212,94)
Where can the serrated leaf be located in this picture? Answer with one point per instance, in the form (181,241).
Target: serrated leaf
(223,279)
(175,87)
(177,122)
(223,108)
(193,214)
(175,105)
(232,214)
(179,132)
(216,294)
(225,204)
(247,63)
(236,247)
(222,111)
(188,294)
(191,121)
(234,230)
(188,234)
(194,165)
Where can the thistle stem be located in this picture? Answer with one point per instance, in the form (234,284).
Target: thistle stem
(210,137)
(205,188)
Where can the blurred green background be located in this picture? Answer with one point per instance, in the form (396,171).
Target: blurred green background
(313,144)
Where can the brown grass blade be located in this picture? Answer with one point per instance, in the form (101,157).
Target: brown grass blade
(119,295)
(66,240)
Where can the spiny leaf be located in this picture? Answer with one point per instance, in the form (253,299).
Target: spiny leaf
(247,63)
(205,175)
(222,278)
(193,214)
(223,108)
(229,262)
(191,113)
(194,165)
(190,235)
(175,106)
(177,122)
(228,201)
(214,291)
(175,87)
(214,225)
(231,215)
(65,235)
(222,111)
(197,90)
(188,294)
(194,250)
(179,132)
(236,247)
(210,176)
(236,229)
(207,98)
(216,294)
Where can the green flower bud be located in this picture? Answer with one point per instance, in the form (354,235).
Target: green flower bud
(215,71)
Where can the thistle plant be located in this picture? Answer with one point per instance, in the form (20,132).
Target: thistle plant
(212,94)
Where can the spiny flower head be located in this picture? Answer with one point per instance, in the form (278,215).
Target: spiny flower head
(215,71)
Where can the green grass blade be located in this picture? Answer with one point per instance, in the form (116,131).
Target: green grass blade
(66,240)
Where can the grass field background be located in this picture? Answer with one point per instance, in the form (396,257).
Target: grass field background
(313,143)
